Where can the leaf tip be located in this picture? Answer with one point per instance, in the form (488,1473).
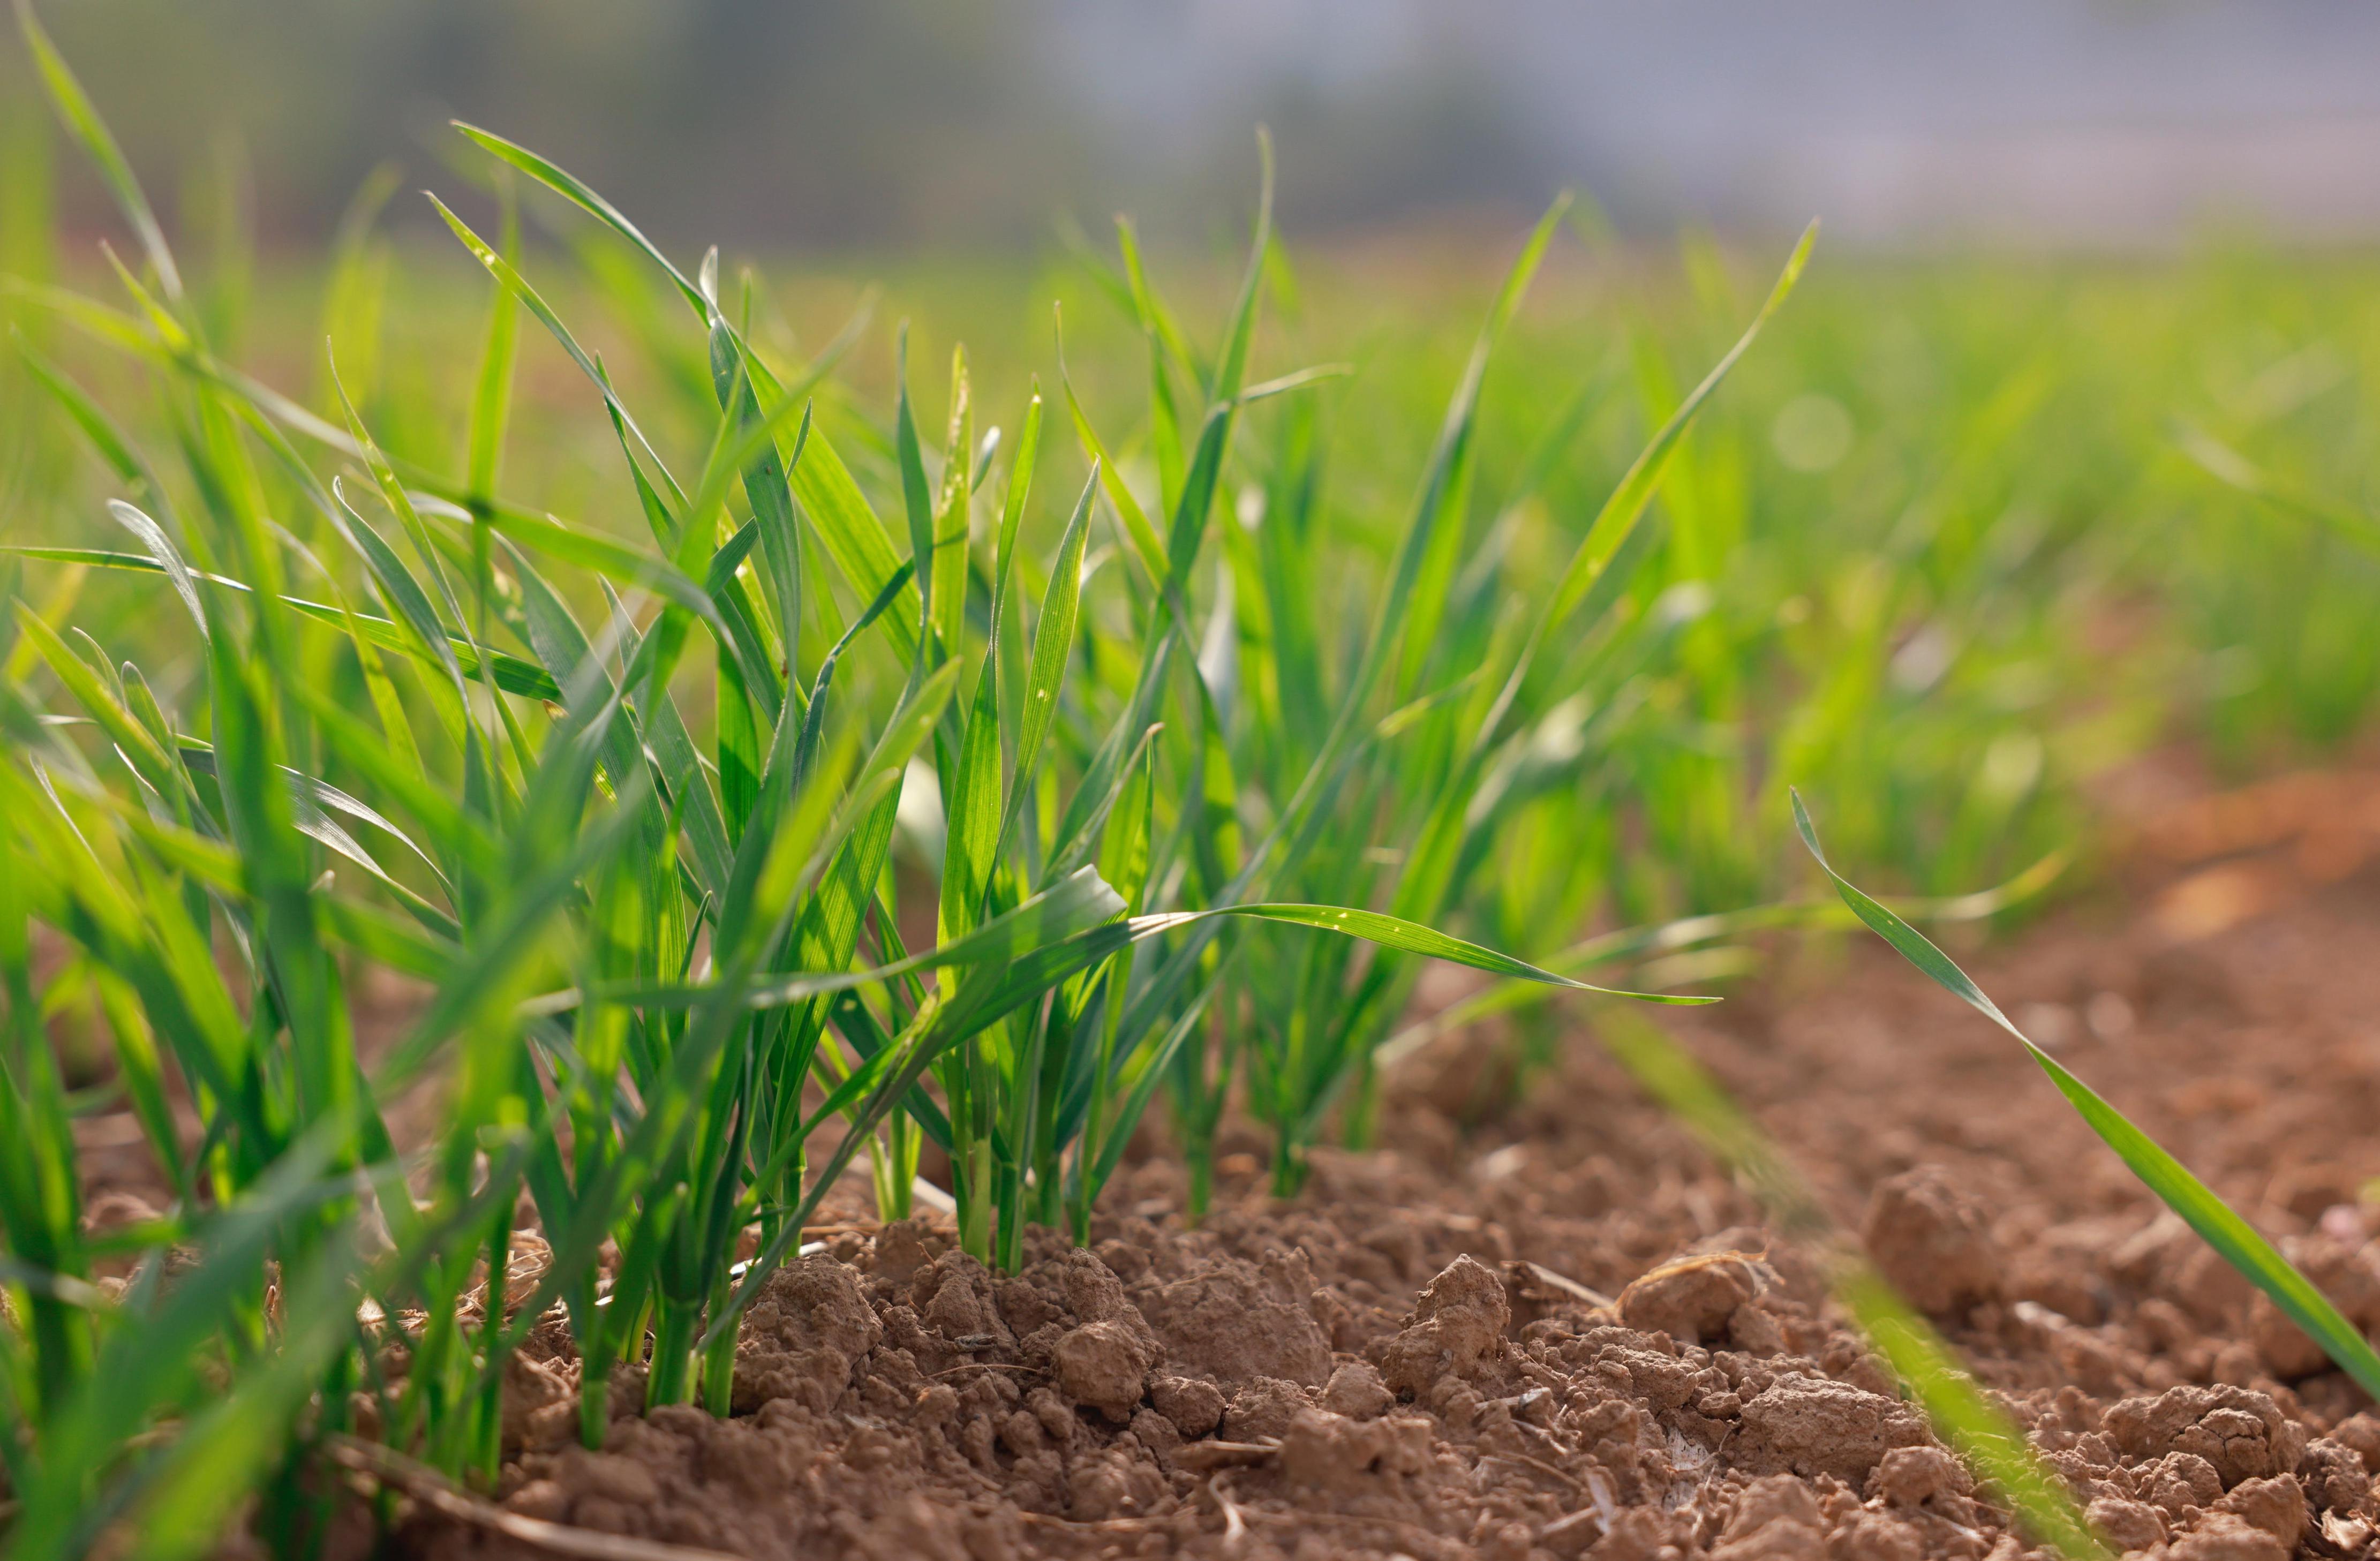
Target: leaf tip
(1808,831)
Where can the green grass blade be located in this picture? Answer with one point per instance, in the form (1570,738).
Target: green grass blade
(1164,419)
(1053,644)
(155,1365)
(398,587)
(2226,465)
(491,392)
(1079,900)
(83,121)
(952,512)
(1627,502)
(2240,1245)
(917,501)
(971,810)
(765,485)
(513,281)
(567,184)
(96,426)
(1992,1445)
(854,536)
(1394,932)
(1231,366)
(511,674)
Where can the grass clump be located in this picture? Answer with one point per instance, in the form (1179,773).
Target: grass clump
(625,816)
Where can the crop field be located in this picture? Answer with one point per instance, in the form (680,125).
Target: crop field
(1172,902)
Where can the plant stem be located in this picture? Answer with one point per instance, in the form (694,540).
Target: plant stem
(719,1360)
(1288,1167)
(673,1330)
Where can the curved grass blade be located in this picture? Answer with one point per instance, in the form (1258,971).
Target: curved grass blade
(1053,644)
(2226,465)
(1395,932)
(167,558)
(1081,900)
(75,107)
(513,283)
(2240,1245)
(1605,556)
(568,185)
(320,795)
(1618,514)
(1633,944)
(492,393)
(509,673)
(129,465)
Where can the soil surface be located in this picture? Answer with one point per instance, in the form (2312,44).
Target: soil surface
(1483,1340)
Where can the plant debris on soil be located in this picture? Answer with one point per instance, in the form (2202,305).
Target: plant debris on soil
(1564,1333)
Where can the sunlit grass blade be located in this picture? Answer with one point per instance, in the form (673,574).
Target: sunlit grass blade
(1631,945)
(2240,1245)
(555,178)
(112,445)
(1394,932)
(1615,523)
(511,674)
(491,392)
(512,281)
(82,118)
(2228,465)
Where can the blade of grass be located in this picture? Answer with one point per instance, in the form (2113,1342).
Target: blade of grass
(2255,1259)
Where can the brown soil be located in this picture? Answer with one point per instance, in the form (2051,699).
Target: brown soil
(1417,1356)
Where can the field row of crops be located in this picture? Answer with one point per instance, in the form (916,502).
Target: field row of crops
(722,735)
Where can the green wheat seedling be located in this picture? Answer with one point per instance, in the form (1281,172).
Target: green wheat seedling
(1444,773)
(625,814)
(2240,1245)
(1401,766)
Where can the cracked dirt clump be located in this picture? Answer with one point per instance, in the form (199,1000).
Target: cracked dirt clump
(1933,1242)
(1457,1323)
(1810,1426)
(2239,1433)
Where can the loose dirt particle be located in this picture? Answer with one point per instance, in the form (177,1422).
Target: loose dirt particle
(1262,1410)
(2126,1525)
(1913,1476)
(1811,1425)
(1326,1451)
(804,1334)
(1777,1518)
(1231,1322)
(2238,1430)
(1356,1391)
(1871,1536)
(2276,1505)
(1103,1365)
(1193,1407)
(1691,1298)
(1458,1323)
(1933,1242)
(2227,1538)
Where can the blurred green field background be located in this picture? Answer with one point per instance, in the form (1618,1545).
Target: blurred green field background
(1338,643)
(1938,547)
